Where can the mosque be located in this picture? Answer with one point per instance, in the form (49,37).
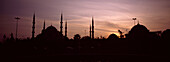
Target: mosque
(141,32)
(51,33)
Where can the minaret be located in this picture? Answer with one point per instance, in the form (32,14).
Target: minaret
(33,27)
(90,31)
(61,26)
(66,29)
(43,27)
(92,28)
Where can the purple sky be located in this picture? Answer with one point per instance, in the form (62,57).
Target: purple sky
(109,15)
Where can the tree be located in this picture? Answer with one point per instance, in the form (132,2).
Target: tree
(121,34)
(77,37)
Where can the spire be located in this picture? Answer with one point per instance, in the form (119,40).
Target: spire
(66,28)
(33,27)
(43,27)
(92,28)
(61,26)
(90,31)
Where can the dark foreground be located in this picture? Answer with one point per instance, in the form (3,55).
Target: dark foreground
(90,58)
(121,50)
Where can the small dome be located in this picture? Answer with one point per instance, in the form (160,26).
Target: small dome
(112,37)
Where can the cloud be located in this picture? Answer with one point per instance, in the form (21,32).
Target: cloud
(109,25)
(104,30)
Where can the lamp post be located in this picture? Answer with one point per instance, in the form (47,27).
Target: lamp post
(134,20)
(17,18)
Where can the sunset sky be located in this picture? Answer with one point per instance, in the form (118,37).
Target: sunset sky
(109,15)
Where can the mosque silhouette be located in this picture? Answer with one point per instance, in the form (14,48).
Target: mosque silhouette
(138,45)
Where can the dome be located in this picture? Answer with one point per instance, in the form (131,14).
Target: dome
(138,32)
(51,29)
(139,28)
(50,33)
(112,37)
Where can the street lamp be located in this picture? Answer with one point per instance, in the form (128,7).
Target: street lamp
(134,20)
(17,18)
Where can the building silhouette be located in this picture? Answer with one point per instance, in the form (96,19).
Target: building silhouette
(139,42)
(43,27)
(61,24)
(112,37)
(137,32)
(66,29)
(50,33)
(140,32)
(33,27)
(90,31)
(92,28)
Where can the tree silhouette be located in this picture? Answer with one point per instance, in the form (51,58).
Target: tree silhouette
(77,37)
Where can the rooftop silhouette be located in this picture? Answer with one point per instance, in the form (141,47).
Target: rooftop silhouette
(139,42)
